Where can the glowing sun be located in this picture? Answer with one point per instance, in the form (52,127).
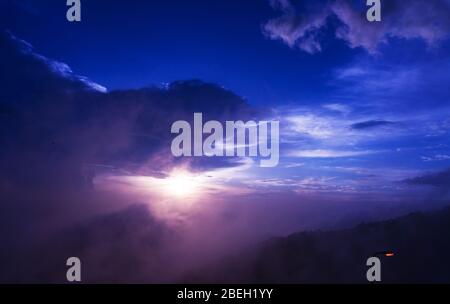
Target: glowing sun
(181,184)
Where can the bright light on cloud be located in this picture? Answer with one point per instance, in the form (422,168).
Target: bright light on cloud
(181,184)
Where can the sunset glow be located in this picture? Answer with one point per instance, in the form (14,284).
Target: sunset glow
(181,184)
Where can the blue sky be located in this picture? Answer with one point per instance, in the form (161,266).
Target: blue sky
(173,40)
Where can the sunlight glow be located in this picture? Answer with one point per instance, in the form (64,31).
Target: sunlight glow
(181,184)
(180,187)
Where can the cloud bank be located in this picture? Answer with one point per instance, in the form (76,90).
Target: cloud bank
(303,27)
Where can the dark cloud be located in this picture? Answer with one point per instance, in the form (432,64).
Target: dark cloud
(124,246)
(50,115)
(57,131)
(370,124)
(27,76)
(303,27)
(438,179)
(69,121)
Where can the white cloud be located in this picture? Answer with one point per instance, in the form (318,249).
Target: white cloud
(329,153)
(312,125)
(415,19)
(338,107)
(437,157)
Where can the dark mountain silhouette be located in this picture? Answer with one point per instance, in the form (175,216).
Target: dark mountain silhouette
(420,241)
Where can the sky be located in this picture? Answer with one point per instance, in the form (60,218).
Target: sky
(86,109)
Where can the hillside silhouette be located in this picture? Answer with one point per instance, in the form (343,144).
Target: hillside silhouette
(420,241)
